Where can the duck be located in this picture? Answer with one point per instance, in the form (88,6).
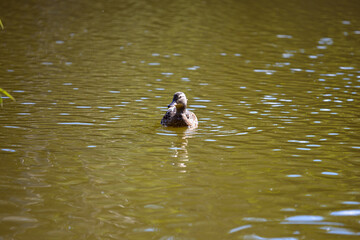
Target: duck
(177,114)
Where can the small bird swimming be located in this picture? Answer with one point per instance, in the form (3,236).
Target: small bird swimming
(177,115)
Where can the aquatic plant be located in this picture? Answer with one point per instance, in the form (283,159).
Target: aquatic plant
(2,91)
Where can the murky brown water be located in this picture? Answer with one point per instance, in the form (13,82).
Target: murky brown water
(275,85)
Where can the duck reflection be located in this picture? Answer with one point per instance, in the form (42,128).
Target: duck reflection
(179,146)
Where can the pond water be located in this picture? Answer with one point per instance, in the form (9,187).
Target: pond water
(275,86)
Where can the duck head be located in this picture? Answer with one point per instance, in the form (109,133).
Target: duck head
(179,101)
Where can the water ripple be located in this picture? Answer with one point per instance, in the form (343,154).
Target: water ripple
(352,212)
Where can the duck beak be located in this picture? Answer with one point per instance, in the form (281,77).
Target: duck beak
(172,104)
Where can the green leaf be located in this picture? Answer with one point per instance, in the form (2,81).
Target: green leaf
(2,26)
(6,94)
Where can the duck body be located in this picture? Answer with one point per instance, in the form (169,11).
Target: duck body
(177,115)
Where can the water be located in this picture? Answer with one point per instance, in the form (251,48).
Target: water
(275,86)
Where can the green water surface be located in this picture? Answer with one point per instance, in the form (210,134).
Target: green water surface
(274,84)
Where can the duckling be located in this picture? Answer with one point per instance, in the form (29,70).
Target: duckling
(177,115)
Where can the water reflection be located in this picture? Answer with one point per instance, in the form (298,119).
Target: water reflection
(276,153)
(179,144)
